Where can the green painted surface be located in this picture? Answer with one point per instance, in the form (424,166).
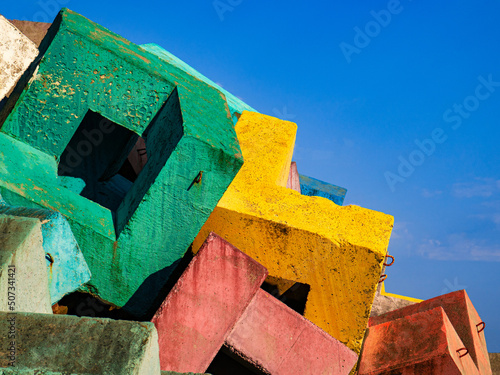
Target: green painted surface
(132,241)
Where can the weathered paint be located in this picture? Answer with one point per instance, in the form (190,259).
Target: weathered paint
(23,287)
(422,343)
(236,105)
(293,178)
(464,318)
(312,187)
(35,31)
(16,54)
(338,251)
(205,303)
(132,249)
(81,346)
(280,341)
(66,267)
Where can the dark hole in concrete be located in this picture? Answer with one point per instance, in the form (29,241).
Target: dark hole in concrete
(294,297)
(228,363)
(105,158)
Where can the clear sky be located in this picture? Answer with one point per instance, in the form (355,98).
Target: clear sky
(397,101)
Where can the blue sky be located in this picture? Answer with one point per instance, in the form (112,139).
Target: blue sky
(395,101)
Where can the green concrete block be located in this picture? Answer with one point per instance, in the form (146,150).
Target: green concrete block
(23,273)
(68,344)
(78,116)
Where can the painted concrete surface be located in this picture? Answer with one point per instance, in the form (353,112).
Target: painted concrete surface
(463,316)
(23,274)
(313,187)
(207,300)
(338,251)
(236,105)
(59,125)
(16,54)
(64,343)
(495,363)
(35,31)
(66,267)
(280,341)
(422,343)
(293,178)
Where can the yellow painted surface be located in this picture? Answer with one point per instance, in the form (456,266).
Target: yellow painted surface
(384,293)
(338,251)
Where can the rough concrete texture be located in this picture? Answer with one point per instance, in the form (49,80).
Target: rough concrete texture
(495,363)
(463,316)
(236,105)
(35,31)
(204,305)
(293,178)
(16,54)
(312,187)
(23,287)
(59,124)
(422,343)
(338,251)
(280,341)
(63,343)
(66,267)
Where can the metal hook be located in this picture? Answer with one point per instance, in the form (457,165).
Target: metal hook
(198,178)
(483,324)
(382,278)
(389,264)
(462,355)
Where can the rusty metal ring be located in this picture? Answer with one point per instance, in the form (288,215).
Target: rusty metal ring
(49,258)
(389,264)
(382,278)
(199,177)
(462,355)
(483,324)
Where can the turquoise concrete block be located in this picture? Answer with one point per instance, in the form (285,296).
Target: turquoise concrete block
(312,187)
(66,266)
(66,134)
(236,105)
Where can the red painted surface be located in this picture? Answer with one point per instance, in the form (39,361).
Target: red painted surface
(281,341)
(293,178)
(462,315)
(422,343)
(206,302)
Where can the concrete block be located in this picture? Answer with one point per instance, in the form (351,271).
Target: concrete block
(278,340)
(293,178)
(495,363)
(78,117)
(205,303)
(16,53)
(462,315)
(235,104)
(35,31)
(68,344)
(67,269)
(338,251)
(180,373)
(312,187)
(422,343)
(23,274)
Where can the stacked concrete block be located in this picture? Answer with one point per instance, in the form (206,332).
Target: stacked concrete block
(68,344)
(23,273)
(312,187)
(218,301)
(293,178)
(338,251)
(17,52)
(69,124)
(421,343)
(279,341)
(495,363)
(462,315)
(66,267)
(35,31)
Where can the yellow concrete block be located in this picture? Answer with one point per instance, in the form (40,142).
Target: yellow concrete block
(338,251)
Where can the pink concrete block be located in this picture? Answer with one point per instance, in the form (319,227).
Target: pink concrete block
(206,302)
(422,343)
(463,316)
(282,342)
(293,178)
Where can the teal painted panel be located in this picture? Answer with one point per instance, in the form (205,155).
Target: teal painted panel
(66,267)
(312,187)
(56,156)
